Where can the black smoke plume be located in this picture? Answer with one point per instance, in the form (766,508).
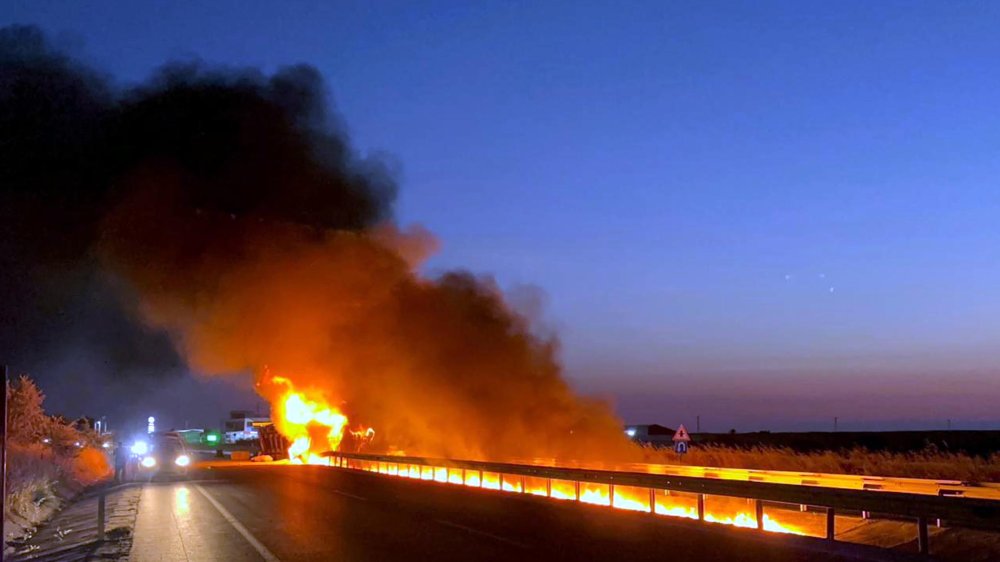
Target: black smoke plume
(227,210)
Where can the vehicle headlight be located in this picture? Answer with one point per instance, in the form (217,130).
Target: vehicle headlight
(148,462)
(140,448)
(183,460)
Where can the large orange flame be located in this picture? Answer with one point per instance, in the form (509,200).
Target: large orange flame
(310,424)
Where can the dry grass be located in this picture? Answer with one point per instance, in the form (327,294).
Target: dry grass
(33,472)
(27,463)
(33,500)
(929,463)
(40,479)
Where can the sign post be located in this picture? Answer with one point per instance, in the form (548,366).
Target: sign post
(3,457)
(681,440)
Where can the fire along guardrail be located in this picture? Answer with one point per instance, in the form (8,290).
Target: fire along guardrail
(969,512)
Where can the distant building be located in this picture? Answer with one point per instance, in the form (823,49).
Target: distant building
(242,426)
(652,434)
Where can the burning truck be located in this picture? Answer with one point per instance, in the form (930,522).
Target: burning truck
(276,445)
(306,427)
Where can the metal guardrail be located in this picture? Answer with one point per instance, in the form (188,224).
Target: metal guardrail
(973,513)
(826,480)
(924,486)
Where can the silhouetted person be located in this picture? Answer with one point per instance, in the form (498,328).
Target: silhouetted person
(121,459)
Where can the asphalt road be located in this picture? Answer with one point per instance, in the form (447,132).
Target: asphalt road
(318,513)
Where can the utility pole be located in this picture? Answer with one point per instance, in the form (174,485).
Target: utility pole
(697,424)
(835,418)
(949,424)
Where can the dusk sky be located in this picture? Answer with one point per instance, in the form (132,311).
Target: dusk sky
(766,214)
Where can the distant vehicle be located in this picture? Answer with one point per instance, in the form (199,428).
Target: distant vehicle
(167,453)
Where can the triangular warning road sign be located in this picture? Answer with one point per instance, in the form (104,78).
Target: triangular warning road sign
(681,434)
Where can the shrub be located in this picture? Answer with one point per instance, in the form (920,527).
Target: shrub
(63,437)
(91,466)
(26,420)
(45,455)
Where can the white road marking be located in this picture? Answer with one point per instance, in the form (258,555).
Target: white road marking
(482,533)
(256,544)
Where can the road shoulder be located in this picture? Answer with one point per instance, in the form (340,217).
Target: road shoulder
(72,534)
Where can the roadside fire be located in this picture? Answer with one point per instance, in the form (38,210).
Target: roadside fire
(728,511)
(310,424)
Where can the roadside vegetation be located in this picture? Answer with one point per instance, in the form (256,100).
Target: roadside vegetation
(48,459)
(930,462)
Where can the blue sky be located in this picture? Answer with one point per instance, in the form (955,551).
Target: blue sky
(767,213)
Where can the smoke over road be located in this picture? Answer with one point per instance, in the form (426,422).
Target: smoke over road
(232,214)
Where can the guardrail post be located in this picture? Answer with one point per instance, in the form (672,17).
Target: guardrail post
(923,543)
(758,507)
(701,507)
(831,524)
(100,517)
(652,501)
(577,486)
(611,494)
